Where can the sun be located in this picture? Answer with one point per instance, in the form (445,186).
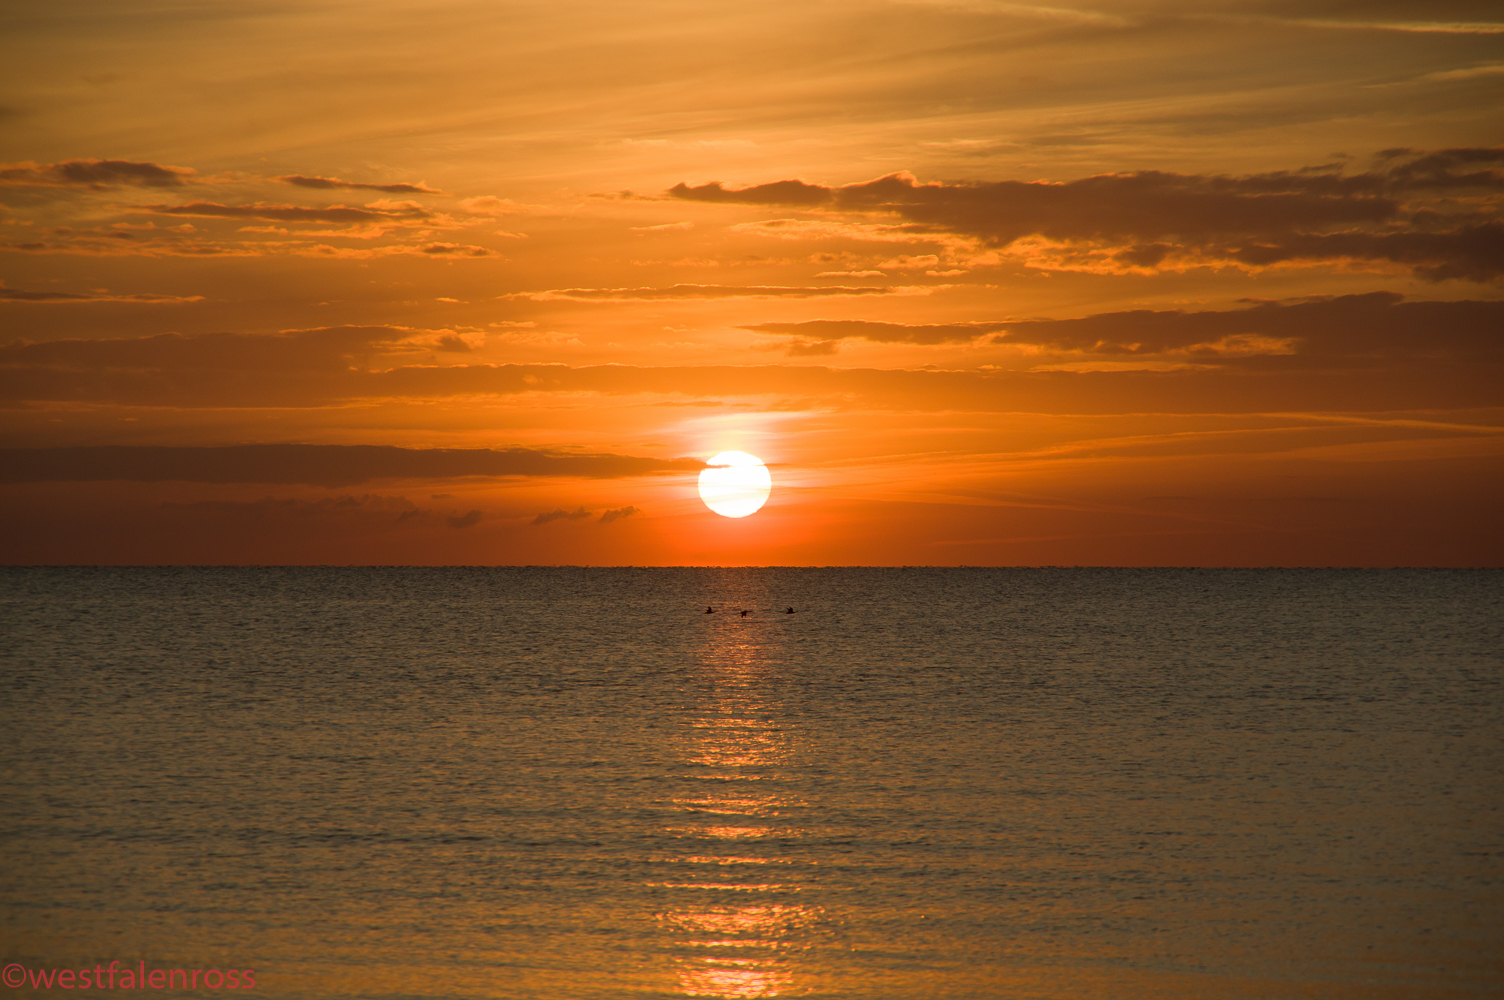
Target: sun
(735,484)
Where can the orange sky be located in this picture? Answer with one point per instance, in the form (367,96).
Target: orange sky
(1153,283)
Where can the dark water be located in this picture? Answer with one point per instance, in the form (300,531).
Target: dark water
(573,783)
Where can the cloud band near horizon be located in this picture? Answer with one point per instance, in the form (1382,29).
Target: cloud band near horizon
(313,465)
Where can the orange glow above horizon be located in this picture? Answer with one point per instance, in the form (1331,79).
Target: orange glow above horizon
(992,284)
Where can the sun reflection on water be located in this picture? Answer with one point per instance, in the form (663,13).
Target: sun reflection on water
(737,931)
(742,951)
(735,977)
(732,978)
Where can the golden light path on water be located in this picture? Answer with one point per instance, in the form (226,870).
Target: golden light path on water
(737,937)
(573,784)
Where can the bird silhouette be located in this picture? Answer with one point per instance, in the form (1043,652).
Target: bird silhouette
(788,611)
(710,611)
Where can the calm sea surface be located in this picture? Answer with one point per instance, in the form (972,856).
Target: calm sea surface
(926,783)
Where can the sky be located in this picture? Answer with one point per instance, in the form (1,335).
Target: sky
(983,283)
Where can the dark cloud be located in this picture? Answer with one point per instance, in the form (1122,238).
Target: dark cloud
(314,465)
(1473,253)
(1379,326)
(697,292)
(1312,214)
(294,213)
(273,508)
(94,174)
(334,183)
(1445,169)
(1295,382)
(1371,326)
(1252,385)
(561,515)
(322,349)
(16,295)
(465,521)
(617,515)
(370,510)
(813,349)
(456,250)
(1399,354)
(883,333)
(1143,207)
(776,193)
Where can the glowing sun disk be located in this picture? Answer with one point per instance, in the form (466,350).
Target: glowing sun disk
(735,484)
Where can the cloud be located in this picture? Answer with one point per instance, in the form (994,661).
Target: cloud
(561,515)
(1303,381)
(1144,205)
(1378,324)
(1472,253)
(96,174)
(776,193)
(397,212)
(696,292)
(667,227)
(1142,219)
(813,349)
(829,229)
(1488,69)
(313,465)
(883,333)
(454,250)
(17,295)
(271,507)
(1408,27)
(466,521)
(1369,351)
(490,205)
(331,183)
(371,510)
(908,261)
(617,515)
(323,349)
(100,245)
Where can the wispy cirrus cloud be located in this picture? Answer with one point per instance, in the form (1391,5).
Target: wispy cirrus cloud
(1407,27)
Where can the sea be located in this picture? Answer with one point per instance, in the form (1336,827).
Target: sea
(570,783)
